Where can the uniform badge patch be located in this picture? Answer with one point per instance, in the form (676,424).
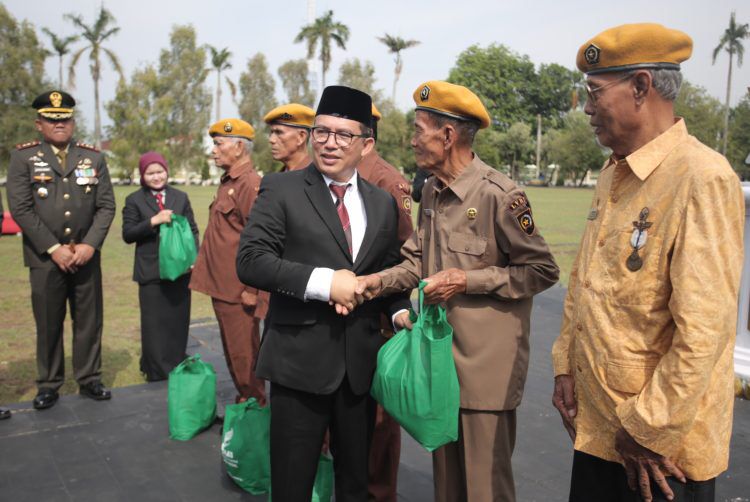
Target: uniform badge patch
(591,54)
(56,99)
(406,204)
(471,213)
(526,221)
(519,202)
(425,94)
(228,127)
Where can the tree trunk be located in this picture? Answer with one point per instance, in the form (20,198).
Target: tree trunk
(61,72)
(322,76)
(396,76)
(538,144)
(583,177)
(218,95)
(97,115)
(726,105)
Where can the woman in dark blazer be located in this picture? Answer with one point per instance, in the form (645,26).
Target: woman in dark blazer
(165,305)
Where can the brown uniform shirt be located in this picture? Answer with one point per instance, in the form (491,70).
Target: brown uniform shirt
(215,271)
(383,175)
(481,223)
(651,349)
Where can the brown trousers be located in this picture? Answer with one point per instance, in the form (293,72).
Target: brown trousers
(385,453)
(240,336)
(477,467)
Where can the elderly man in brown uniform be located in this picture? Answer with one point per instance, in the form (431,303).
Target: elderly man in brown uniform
(289,131)
(61,196)
(643,365)
(385,451)
(239,309)
(484,259)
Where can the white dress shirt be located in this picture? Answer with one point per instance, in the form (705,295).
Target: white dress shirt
(319,284)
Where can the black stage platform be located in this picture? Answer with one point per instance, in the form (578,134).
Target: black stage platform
(82,450)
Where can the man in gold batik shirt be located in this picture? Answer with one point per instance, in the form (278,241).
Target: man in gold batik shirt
(643,365)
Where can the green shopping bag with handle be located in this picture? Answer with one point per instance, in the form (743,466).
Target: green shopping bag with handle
(191,398)
(246,446)
(177,251)
(415,380)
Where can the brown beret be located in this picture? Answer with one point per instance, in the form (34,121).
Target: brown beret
(232,128)
(633,46)
(293,114)
(451,100)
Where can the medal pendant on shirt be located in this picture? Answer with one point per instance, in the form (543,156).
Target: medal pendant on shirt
(638,240)
(634,262)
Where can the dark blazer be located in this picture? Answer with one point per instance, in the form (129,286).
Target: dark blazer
(294,228)
(140,206)
(59,204)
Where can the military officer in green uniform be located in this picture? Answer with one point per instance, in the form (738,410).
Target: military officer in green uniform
(61,196)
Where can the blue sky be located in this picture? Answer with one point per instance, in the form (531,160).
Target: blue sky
(547,31)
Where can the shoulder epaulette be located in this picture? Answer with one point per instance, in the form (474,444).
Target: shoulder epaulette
(499,179)
(87,146)
(28,144)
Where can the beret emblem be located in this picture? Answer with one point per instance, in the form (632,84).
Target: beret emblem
(425,94)
(228,127)
(592,54)
(286,116)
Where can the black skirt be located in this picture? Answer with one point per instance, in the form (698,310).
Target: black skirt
(165,320)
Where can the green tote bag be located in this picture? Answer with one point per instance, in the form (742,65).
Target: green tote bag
(177,251)
(191,398)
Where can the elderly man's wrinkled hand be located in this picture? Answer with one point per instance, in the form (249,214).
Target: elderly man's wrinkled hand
(564,399)
(444,285)
(642,465)
(369,286)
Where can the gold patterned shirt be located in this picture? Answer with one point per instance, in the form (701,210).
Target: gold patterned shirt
(649,319)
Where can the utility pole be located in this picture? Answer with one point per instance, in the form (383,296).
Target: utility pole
(538,144)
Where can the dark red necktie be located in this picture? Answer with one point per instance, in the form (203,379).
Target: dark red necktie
(159,200)
(339,191)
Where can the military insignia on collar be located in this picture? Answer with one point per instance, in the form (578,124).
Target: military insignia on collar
(228,127)
(592,53)
(425,94)
(526,221)
(56,99)
(286,116)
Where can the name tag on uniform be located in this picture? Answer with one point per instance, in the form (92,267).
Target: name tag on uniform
(428,212)
(593,214)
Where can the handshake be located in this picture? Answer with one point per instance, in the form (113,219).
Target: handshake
(348,290)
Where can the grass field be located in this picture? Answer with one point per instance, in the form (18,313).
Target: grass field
(559,213)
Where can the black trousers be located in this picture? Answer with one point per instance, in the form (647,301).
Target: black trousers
(298,424)
(597,480)
(51,291)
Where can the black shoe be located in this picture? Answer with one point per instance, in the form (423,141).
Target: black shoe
(95,391)
(4,413)
(45,398)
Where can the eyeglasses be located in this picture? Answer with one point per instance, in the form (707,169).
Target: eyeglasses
(342,139)
(591,92)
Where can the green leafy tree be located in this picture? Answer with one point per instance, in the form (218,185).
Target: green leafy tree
(219,63)
(95,35)
(183,101)
(574,147)
(703,114)
(489,144)
(395,45)
(21,80)
(553,93)
(394,138)
(257,91)
(322,31)
(295,81)
(517,146)
(360,75)
(61,46)
(731,42)
(739,138)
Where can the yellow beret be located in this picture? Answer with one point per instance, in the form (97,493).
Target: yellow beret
(633,46)
(451,100)
(376,116)
(232,128)
(293,114)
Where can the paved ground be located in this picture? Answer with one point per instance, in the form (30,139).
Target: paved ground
(81,450)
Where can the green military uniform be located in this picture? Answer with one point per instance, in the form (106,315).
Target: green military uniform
(63,203)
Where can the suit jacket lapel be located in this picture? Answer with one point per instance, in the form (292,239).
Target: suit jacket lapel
(71,160)
(320,197)
(373,221)
(170,200)
(150,199)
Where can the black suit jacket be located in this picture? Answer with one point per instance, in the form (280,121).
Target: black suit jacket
(294,228)
(140,206)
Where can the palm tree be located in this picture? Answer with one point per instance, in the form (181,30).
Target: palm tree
(395,46)
(323,29)
(731,41)
(219,63)
(60,46)
(95,35)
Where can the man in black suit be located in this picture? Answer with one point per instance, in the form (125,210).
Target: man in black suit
(309,233)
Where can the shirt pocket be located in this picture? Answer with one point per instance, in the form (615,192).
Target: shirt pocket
(630,375)
(468,248)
